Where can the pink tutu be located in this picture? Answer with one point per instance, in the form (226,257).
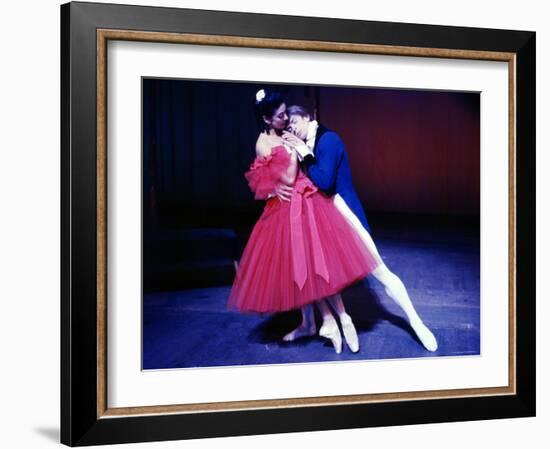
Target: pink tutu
(299,251)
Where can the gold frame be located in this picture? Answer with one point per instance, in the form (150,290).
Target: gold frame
(103,36)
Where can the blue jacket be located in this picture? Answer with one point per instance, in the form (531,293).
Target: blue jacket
(330,172)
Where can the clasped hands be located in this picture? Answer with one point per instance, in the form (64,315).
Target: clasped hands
(297,144)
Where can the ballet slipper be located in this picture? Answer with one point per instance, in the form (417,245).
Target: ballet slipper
(350,334)
(331,331)
(424,335)
(299,332)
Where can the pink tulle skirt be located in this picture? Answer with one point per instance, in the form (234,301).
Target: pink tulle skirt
(297,254)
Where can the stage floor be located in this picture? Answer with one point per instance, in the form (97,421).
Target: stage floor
(440,268)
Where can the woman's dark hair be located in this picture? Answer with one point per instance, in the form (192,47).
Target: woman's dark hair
(267,101)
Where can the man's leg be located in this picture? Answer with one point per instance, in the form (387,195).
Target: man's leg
(393,285)
(396,290)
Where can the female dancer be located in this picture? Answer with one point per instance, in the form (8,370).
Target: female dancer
(300,251)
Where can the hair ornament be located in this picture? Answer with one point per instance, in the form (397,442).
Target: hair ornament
(260,95)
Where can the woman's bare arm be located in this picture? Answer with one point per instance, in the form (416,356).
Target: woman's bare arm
(263,149)
(289,176)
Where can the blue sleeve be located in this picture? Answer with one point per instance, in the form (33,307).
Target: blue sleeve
(322,168)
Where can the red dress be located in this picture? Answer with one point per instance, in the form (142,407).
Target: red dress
(299,251)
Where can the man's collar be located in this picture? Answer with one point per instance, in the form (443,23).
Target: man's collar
(311,133)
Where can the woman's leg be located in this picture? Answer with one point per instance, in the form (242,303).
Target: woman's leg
(329,329)
(307,328)
(393,285)
(350,334)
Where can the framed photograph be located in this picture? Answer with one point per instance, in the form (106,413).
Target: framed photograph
(283,224)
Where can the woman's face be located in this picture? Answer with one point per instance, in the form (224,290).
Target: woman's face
(279,119)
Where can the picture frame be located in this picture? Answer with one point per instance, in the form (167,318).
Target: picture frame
(86,28)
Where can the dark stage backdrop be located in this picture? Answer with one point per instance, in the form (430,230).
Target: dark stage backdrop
(198,141)
(411,152)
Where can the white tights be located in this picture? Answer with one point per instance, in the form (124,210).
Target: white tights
(392,284)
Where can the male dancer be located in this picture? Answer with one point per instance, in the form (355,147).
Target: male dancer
(323,154)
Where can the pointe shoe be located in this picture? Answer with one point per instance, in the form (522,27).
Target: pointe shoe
(424,335)
(350,334)
(332,332)
(299,332)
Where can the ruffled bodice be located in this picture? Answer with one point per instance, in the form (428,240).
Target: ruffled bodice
(265,173)
(300,250)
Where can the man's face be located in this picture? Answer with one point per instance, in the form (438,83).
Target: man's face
(298,126)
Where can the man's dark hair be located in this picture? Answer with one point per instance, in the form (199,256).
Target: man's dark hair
(298,110)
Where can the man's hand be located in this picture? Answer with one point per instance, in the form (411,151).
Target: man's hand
(297,145)
(292,139)
(283,192)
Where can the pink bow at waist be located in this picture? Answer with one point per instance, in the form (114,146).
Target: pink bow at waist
(303,189)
